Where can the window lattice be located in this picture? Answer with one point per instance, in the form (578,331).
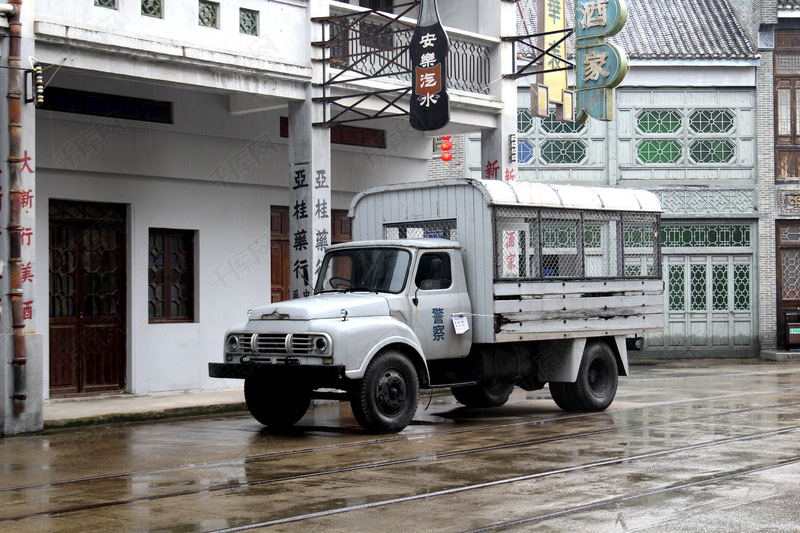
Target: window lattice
(784,112)
(442,229)
(698,287)
(524,121)
(110,4)
(248,22)
(525,151)
(170,275)
(719,287)
(702,236)
(551,125)
(659,151)
(677,295)
(788,64)
(741,287)
(658,121)
(712,151)
(711,121)
(152,8)
(208,14)
(790,234)
(790,270)
(563,151)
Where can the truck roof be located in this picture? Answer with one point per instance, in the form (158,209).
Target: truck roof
(525,193)
(400,243)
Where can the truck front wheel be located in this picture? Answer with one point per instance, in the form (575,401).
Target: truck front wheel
(597,381)
(492,393)
(386,399)
(276,405)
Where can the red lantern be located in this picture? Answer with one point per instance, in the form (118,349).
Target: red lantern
(446,138)
(447,146)
(447,157)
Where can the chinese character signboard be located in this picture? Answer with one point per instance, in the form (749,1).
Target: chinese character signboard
(599,66)
(430,104)
(552,17)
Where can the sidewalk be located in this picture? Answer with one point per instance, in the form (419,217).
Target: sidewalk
(64,413)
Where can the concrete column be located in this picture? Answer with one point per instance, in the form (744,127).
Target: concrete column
(309,177)
(499,19)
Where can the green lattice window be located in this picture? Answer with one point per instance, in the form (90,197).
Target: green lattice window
(563,151)
(561,234)
(711,121)
(248,21)
(677,289)
(712,151)
(551,125)
(719,287)
(524,121)
(525,151)
(152,8)
(208,14)
(659,151)
(741,287)
(110,4)
(592,236)
(638,236)
(658,121)
(698,287)
(702,236)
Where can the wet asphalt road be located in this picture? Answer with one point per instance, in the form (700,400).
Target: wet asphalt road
(711,446)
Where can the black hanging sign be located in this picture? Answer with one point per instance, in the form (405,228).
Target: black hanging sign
(430,104)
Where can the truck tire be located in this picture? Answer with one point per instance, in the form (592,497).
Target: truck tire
(492,393)
(276,405)
(386,399)
(597,381)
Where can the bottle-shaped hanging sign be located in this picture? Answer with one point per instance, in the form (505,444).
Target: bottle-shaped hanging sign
(430,104)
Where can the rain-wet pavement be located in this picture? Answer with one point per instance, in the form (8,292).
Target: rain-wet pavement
(705,446)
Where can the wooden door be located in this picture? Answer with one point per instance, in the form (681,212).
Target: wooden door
(341,231)
(87,298)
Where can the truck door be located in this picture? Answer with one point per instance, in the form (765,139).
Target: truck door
(440,292)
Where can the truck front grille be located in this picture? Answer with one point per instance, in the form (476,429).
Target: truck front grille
(275,344)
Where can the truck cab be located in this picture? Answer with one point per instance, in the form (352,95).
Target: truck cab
(371,299)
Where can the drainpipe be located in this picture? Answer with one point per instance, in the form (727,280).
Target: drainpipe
(15,74)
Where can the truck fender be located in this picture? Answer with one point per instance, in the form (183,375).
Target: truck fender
(560,360)
(409,341)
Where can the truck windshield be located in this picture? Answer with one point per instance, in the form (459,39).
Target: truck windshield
(370,269)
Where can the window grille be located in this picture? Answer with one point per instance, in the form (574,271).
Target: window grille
(564,151)
(698,287)
(170,275)
(525,151)
(152,8)
(676,288)
(524,121)
(208,14)
(551,125)
(110,4)
(658,121)
(719,287)
(790,274)
(248,22)
(442,229)
(659,151)
(741,287)
(703,236)
(711,121)
(712,151)
(790,234)
(571,244)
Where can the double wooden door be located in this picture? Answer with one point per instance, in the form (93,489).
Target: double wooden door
(87,298)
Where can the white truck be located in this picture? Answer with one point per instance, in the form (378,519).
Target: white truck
(474,285)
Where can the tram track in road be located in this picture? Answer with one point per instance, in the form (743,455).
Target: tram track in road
(403,438)
(384,464)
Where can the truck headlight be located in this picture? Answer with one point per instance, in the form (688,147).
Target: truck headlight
(232,344)
(321,345)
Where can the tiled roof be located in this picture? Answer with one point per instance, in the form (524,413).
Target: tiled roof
(788,4)
(671,29)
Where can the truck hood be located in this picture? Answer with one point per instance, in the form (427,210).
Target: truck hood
(324,306)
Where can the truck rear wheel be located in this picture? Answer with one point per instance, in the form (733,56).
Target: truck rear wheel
(492,393)
(276,405)
(597,381)
(386,399)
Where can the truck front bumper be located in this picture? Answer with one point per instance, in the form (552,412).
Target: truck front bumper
(314,375)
